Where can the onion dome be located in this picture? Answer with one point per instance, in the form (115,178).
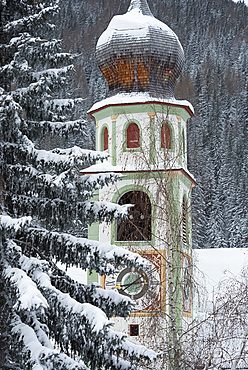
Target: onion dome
(137,52)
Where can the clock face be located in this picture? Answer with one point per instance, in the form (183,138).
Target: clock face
(186,283)
(141,286)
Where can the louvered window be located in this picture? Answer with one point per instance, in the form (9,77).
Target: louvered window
(184,221)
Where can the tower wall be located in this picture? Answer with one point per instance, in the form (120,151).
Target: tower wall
(162,174)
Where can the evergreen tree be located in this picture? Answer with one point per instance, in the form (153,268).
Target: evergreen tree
(47,320)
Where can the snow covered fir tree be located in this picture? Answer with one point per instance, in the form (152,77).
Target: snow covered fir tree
(47,320)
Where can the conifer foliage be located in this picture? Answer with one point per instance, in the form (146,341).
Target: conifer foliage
(47,320)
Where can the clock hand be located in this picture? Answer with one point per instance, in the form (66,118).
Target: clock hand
(126,286)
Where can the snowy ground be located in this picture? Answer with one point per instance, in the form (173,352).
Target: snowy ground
(214,265)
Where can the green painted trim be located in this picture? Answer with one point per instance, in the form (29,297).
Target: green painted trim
(92,277)
(114,143)
(180,143)
(116,198)
(105,125)
(97,135)
(172,136)
(184,143)
(185,180)
(93,234)
(124,135)
(146,175)
(152,141)
(173,187)
(185,197)
(93,231)
(108,111)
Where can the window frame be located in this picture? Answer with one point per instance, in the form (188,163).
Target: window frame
(115,199)
(103,128)
(144,209)
(125,147)
(172,136)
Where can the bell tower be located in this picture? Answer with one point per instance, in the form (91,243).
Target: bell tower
(143,129)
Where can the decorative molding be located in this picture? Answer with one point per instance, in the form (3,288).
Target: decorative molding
(152,115)
(179,119)
(114,117)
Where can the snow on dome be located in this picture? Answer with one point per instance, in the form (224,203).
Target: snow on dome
(141,5)
(137,52)
(133,24)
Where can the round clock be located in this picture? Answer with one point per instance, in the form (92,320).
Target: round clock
(141,286)
(186,284)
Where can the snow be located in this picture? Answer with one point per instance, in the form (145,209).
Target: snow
(132,24)
(29,295)
(240,1)
(26,20)
(54,72)
(102,167)
(37,351)
(75,273)
(96,317)
(132,348)
(16,223)
(218,264)
(135,98)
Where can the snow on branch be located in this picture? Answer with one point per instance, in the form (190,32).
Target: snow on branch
(29,297)
(27,21)
(110,301)
(101,209)
(97,181)
(73,251)
(53,72)
(42,356)
(7,222)
(59,127)
(68,156)
(74,315)
(131,349)
(119,363)
(96,317)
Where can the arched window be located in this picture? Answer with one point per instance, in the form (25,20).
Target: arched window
(105,139)
(165,136)
(138,225)
(133,136)
(184,221)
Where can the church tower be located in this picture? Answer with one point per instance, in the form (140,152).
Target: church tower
(143,129)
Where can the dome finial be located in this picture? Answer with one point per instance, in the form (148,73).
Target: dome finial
(142,5)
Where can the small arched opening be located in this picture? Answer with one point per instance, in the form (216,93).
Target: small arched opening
(133,136)
(165,136)
(105,139)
